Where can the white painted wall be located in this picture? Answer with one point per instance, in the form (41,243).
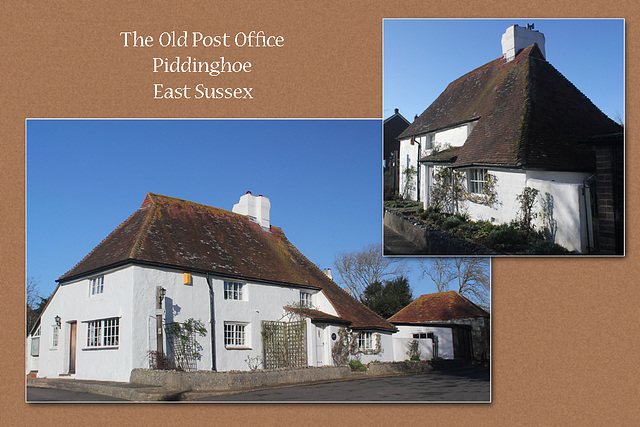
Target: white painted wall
(565,222)
(404,336)
(509,183)
(409,157)
(129,293)
(451,137)
(32,362)
(386,347)
(73,302)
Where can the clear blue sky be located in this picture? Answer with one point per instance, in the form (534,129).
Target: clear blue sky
(421,57)
(85,177)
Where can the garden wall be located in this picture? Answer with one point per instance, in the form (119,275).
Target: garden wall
(208,380)
(431,240)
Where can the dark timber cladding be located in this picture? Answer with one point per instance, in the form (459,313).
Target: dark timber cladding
(528,116)
(176,233)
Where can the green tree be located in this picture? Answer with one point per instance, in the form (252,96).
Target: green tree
(388,298)
(360,268)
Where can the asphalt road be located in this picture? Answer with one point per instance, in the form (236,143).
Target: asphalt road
(37,394)
(469,385)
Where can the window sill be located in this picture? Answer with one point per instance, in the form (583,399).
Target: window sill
(115,347)
(237,348)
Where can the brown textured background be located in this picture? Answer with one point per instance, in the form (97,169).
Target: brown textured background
(565,332)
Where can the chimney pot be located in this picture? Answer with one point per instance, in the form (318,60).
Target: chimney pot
(516,38)
(257,209)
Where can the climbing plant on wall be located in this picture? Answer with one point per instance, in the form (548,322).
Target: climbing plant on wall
(409,183)
(183,344)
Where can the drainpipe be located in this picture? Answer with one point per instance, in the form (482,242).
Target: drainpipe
(211,311)
(586,193)
(435,346)
(418,169)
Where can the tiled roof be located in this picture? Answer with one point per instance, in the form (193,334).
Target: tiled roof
(445,156)
(177,233)
(317,315)
(528,115)
(439,306)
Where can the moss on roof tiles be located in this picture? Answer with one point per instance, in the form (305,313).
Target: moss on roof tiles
(438,306)
(530,115)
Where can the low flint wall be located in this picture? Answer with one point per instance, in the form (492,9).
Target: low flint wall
(432,241)
(239,380)
(208,380)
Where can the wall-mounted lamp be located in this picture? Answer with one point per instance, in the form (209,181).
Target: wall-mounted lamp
(160,293)
(58,320)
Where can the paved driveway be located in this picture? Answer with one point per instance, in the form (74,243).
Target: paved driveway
(38,394)
(465,385)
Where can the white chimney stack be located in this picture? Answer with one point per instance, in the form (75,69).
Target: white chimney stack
(517,38)
(256,208)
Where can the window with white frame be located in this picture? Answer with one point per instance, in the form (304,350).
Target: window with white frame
(55,332)
(476,180)
(233,290)
(365,341)
(96,285)
(234,334)
(420,336)
(103,333)
(305,299)
(35,343)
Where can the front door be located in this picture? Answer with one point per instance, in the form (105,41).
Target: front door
(72,347)
(319,346)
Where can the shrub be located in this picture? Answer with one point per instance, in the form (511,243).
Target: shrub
(356,365)
(451,222)
(462,216)
(547,247)
(507,238)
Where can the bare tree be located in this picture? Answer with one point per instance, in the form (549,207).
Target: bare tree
(33,292)
(438,270)
(469,275)
(360,268)
(33,299)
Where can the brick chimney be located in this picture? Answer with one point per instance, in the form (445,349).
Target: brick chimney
(256,208)
(517,38)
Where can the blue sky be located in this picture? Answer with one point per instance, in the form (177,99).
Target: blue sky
(421,57)
(85,177)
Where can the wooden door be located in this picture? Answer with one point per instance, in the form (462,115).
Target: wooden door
(72,347)
(462,345)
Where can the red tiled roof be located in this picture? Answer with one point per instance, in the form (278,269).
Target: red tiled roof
(439,306)
(528,115)
(186,235)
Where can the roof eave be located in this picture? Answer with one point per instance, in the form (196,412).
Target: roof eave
(183,268)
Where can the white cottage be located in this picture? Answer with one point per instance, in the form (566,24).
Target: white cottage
(512,123)
(174,260)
